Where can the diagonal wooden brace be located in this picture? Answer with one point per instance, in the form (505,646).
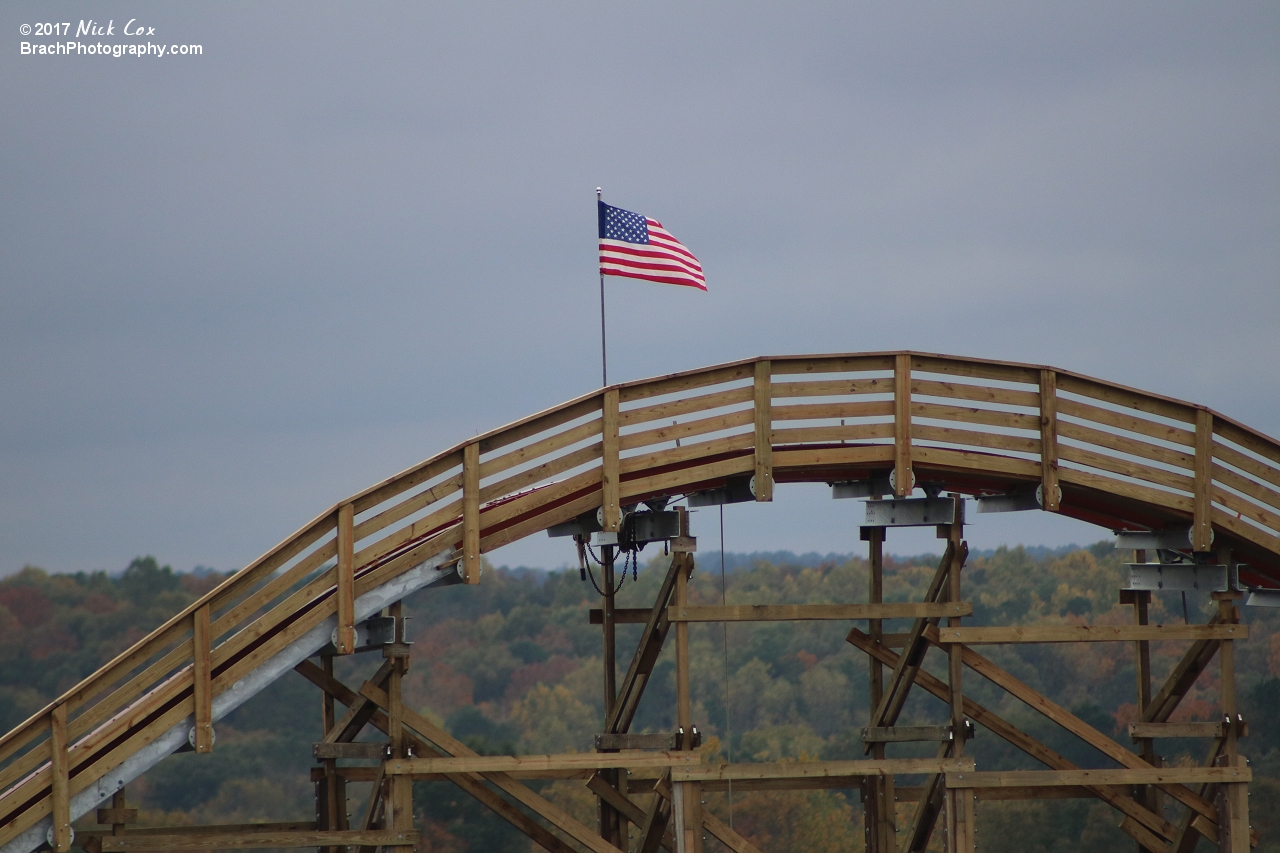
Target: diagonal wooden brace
(468,782)
(650,645)
(908,665)
(1078,727)
(928,808)
(1001,728)
(1182,677)
(359,711)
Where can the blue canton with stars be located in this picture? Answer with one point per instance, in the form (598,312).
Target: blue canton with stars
(619,224)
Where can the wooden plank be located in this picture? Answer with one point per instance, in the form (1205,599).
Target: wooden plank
(609,476)
(541,763)
(851,455)
(1013,735)
(541,447)
(1124,444)
(1049,489)
(823,411)
(763,420)
(677,479)
(686,452)
(202,687)
(722,772)
(677,431)
(244,840)
(1129,398)
(805,612)
(1126,776)
(680,600)
(1125,467)
(808,365)
(975,461)
(972,438)
(1125,421)
(688,381)
(1176,730)
(905,734)
(1252,488)
(407,507)
(621,616)
(538,473)
(343,749)
(610,741)
(1254,467)
(972,415)
(1146,494)
(213,829)
(831,387)
(1089,633)
(848,432)
(686,405)
(1202,520)
(471,513)
(346,580)
(976,393)
(904,479)
(60,807)
(977,368)
(1245,508)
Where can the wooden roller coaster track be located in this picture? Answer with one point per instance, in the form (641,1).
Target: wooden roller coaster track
(1103,453)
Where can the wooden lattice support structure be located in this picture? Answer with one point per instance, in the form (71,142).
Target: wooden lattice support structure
(878,425)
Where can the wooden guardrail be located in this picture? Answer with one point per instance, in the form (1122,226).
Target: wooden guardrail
(1097,450)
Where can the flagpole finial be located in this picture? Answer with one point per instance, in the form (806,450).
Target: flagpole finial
(597,193)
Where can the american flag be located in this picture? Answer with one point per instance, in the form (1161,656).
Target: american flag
(635,246)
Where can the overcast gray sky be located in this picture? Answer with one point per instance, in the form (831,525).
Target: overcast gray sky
(239,286)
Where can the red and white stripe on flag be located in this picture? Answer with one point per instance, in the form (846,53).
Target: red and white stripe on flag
(663,259)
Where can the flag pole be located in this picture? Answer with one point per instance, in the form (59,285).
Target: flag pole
(604,352)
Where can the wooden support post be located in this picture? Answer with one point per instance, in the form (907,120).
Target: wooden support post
(609,476)
(346,580)
(400,801)
(1233,805)
(471,513)
(877,810)
(960,803)
(687,798)
(332,808)
(1202,522)
(1147,795)
(764,431)
(61,793)
(202,680)
(1049,489)
(612,826)
(903,479)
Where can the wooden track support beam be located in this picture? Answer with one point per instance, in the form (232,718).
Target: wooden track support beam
(1202,521)
(610,481)
(346,643)
(903,479)
(763,399)
(1049,489)
(60,798)
(201,677)
(471,513)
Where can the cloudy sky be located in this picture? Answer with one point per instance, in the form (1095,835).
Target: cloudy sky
(239,286)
